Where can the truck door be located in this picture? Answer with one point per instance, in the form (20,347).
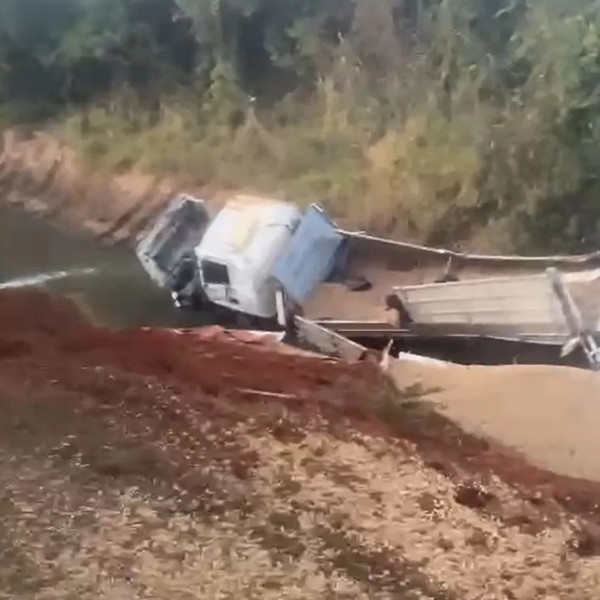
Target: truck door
(310,256)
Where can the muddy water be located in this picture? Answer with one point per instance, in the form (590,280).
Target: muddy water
(107,283)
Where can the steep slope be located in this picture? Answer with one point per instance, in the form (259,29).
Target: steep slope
(167,465)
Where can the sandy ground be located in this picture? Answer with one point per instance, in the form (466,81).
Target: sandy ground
(551,414)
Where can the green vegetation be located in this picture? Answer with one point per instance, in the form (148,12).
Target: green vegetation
(440,120)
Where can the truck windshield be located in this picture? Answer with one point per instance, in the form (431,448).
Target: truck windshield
(213,272)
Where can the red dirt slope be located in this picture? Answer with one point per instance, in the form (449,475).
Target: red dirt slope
(44,341)
(315,462)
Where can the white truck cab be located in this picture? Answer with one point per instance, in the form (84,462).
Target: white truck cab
(239,250)
(258,256)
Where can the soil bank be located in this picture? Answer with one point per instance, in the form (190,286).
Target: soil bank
(160,464)
(47,178)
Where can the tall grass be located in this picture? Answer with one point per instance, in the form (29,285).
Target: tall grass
(399,177)
(439,146)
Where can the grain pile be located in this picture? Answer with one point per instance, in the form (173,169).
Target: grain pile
(551,414)
(146,464)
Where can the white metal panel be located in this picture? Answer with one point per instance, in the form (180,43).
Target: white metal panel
(526,302)
(327,341)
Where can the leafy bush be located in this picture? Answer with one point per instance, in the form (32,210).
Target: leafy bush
(441,120)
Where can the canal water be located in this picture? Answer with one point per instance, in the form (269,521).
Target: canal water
(107,283)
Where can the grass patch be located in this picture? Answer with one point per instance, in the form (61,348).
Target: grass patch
(409,180)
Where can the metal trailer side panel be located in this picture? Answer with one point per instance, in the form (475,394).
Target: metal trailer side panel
(387,248)
(507,304)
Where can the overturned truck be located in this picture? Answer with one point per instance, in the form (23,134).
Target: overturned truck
(265,263)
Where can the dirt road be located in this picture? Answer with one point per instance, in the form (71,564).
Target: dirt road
(153,465)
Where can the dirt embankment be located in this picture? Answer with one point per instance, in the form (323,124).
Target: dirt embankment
(154,464)
(47,178)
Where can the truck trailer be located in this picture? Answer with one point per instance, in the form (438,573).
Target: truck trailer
(269,264)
